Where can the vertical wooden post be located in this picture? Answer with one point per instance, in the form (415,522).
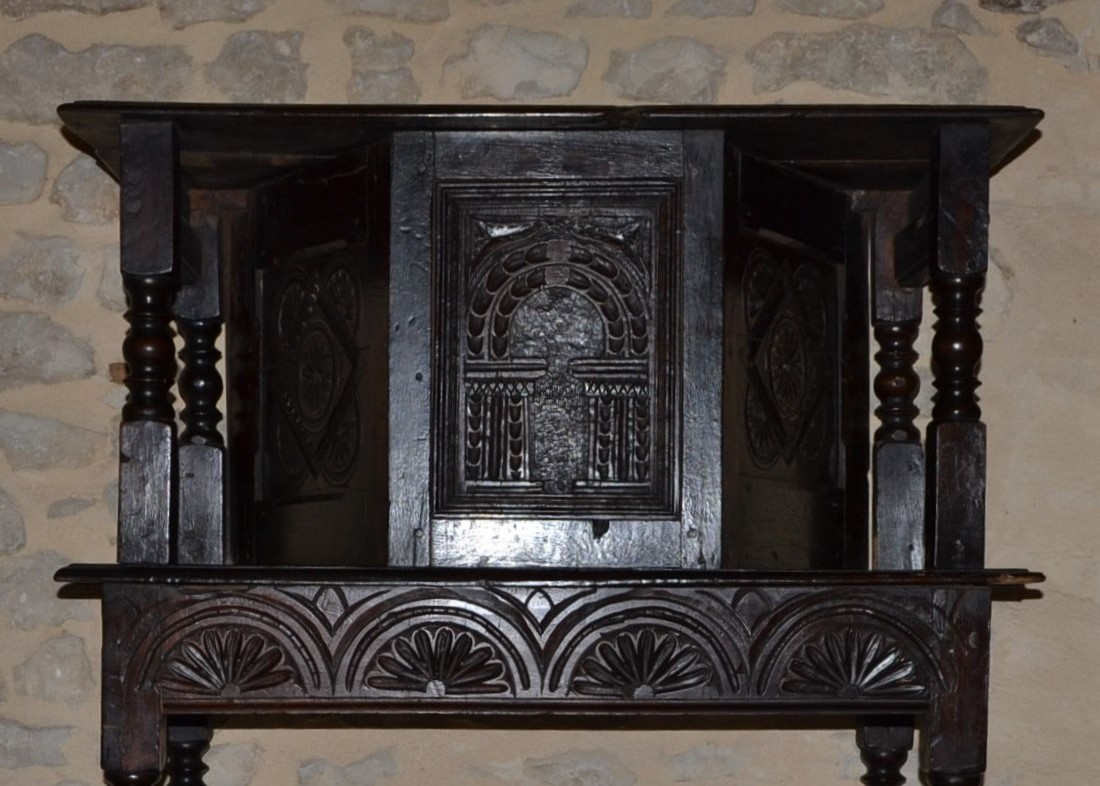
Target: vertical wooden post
(898,457)
(200,537)
(954,735)
(956,436)
(148,434)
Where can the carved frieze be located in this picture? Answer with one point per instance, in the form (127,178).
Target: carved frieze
(644,643)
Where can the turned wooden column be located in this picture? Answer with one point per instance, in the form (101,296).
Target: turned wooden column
(147,437)
(200,535)
(953,742)
(956,436)
(898,466)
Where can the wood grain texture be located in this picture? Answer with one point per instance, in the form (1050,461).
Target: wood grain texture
(200,536)
(537,388)
(146,489)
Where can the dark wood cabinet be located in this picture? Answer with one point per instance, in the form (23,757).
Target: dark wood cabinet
(498,412)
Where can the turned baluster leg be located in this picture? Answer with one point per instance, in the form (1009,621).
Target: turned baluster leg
(188,742)
(898,492)
(884,746)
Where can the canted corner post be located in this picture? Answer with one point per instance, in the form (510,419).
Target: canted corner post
(147,436)
(956,435)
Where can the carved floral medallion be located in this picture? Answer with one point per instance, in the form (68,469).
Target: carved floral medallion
(439,661)
(853,664)
(641,665)
(226,662)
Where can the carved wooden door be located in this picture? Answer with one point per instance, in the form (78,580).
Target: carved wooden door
(543,287)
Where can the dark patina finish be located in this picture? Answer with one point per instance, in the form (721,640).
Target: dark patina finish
(550,410)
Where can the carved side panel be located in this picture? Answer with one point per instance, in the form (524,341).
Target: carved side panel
(316,419)
(325,410)
(790,378)
(558,363)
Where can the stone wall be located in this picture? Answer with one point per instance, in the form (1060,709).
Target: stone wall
(60,329)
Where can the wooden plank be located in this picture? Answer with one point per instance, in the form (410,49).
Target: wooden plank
(410,345)
(956,499)
(145,491)
(200,534)
(898,502)
(702,328)
(962,200)
(148,198)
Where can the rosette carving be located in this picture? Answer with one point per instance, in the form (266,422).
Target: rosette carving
(641,665)
(854,664)
(226,662)
(439,661)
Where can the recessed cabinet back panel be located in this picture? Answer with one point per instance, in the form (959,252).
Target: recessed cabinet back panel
(558,271)
(790,446)
(324,412)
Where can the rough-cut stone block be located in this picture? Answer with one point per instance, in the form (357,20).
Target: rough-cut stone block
(86,194)
(836,9)
(37,349)
(41,270)
(673,70)
(184,13)
(13,534)
(365,772)
(21,9)
(637,9)
(68,506)
(591,767)
(906,64)
(709,762)
(37,74)
(28,593)
(401,10)
(383,87)
(954,15)
(1018,6)
(232,765)
(511,63)
(58,669)
(260,67)
(379,52)
(32,746)
(1048,37)
(22,172)
(706,9)
(33,442)
(378,63)
(109,292)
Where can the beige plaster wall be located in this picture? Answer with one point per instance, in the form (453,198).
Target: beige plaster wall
(1041,395)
